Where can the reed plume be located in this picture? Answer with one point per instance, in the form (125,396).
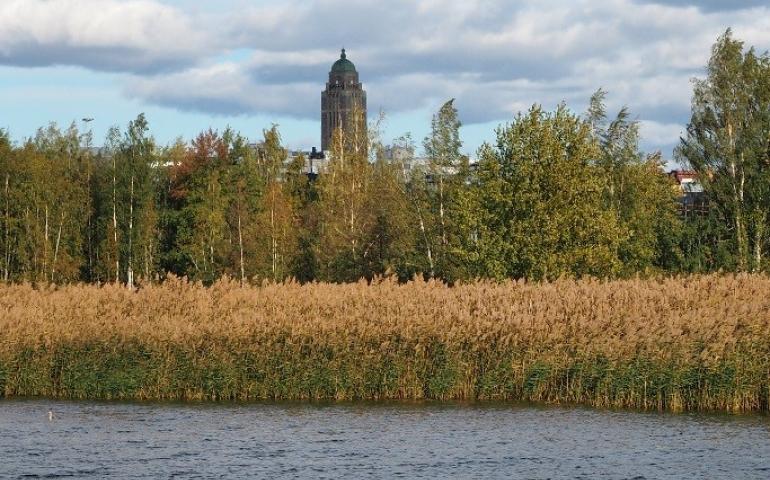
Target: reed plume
(687,343)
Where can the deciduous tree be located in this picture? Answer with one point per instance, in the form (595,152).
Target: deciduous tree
(728,144)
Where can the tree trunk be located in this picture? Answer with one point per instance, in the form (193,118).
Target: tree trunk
(56,248)
(757,250)
(759,240)
(441,207)
(737,187)
(353,213)
(33,243)
(6,273)
(240,234)
(427,242)
(240,248)
(115,219)
(147,259)
(212,202)
(89,227)
(130,270)
(45,246)
(274,243)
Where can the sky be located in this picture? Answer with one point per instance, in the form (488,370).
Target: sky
(190,65)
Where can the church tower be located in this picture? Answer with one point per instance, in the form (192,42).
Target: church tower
(343,96)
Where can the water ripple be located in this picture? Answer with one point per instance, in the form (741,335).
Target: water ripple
(133,441)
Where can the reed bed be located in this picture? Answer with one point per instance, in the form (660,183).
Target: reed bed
(690,343)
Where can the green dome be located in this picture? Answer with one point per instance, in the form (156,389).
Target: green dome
(343,65)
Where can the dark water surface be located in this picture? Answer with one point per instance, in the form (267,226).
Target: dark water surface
(119,440)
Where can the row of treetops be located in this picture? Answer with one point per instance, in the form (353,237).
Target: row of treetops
(557,194)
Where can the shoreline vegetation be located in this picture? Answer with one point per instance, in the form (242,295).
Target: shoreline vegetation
(557,196)
(690,343)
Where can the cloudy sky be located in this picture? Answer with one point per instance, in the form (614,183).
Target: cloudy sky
(194,64)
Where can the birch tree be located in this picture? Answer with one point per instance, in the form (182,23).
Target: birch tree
(728,144)
(202,195)
(277,222)
(137,198)
(343,205)
(444,173)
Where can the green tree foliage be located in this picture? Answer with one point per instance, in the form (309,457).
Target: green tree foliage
(245,184)
(365,220)
(728,145)
(44,207)
(412,190)
(539,205)
(344,207)
(304,198)
(389,243)
(140,175)
(641,196)
(9,222)
(705,244)
(126,199)
(199,188)
(555,195)
(446,171)
(277,232)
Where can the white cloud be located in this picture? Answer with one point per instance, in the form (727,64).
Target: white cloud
(494,56)
(134,35)
(225,89)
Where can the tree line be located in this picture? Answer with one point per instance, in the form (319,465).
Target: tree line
(556,194)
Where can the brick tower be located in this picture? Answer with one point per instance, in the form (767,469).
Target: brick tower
(343,96)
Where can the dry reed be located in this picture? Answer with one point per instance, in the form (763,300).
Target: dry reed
(690,343)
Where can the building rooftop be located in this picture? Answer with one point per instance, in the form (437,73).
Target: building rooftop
(343,64)
(683,176)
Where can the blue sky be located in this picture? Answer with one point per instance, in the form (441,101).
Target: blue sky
(191,65)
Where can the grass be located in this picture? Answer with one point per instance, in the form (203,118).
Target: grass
(689,343)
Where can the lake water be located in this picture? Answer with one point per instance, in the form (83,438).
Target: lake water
(425,440)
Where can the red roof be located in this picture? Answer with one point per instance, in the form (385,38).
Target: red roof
(681,175)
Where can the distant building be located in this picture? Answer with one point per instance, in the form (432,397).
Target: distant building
(398,153)
(693,200)
(404,156)
(343,96)
(315,162)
